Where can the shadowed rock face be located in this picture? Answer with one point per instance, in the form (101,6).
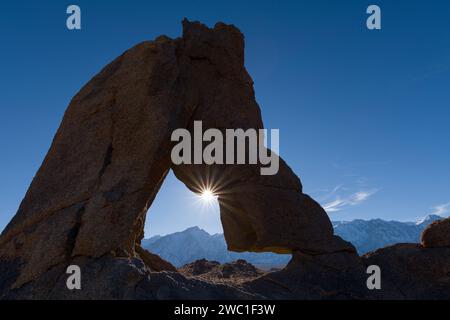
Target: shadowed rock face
(88,201)
(411,271)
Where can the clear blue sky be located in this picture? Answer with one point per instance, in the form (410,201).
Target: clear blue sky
(363,115)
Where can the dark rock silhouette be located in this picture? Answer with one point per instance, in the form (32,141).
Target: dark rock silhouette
(87,203)
(411,271)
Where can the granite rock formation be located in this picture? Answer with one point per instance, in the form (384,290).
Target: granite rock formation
(437,234)
(88,201)
(411,271)
(235,272)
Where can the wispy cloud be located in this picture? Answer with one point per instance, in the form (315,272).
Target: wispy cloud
(334,206)
(353,199)
(441,209)
(326,194)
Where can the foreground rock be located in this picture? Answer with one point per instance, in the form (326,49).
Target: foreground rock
(110,277)
(87,203)
(411,271)
(437,234)
(153,261)
(338,275)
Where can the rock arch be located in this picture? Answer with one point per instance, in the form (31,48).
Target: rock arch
(112,152)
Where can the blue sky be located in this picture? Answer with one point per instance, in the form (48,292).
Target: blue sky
(363,115)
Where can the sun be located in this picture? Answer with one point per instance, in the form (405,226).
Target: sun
(207,196)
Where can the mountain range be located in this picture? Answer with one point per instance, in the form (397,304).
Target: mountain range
(194,243)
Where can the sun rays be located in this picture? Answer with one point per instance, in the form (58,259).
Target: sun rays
(212,188)
(207,196)
(207,199)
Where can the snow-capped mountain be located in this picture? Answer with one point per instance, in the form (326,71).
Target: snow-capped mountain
(368,235)
(194,243)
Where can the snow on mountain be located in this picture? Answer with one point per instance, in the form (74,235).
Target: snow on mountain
(369,235)
(194,243)
(428,219)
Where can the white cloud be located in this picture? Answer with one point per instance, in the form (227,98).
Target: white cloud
(352,200)
(334,206)
(441,209)
(360,196)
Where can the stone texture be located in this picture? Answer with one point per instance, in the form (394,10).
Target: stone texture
(110,277)
(410,271)
(437,234)
(233,273)
(199,267)
(153,261)
(332,276)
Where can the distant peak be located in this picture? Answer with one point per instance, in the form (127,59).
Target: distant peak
(195,229)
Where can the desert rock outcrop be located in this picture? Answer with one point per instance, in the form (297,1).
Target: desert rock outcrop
(236,272)
(437,234)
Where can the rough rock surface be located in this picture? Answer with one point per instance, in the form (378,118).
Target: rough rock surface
(153,261)
(339,275)
(199,267)
(236,272)
(437,234)
(410,271)
(88,201)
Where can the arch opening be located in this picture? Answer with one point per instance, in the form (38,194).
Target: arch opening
(183,226)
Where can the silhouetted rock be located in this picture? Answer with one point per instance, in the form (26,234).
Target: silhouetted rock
(410,271)
(339,275)
(437,234)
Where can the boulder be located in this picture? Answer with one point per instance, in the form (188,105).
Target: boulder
(436,234)
(199,267)
(410,271)
(331,276)
(213,270)
(153,261)
(240,268)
